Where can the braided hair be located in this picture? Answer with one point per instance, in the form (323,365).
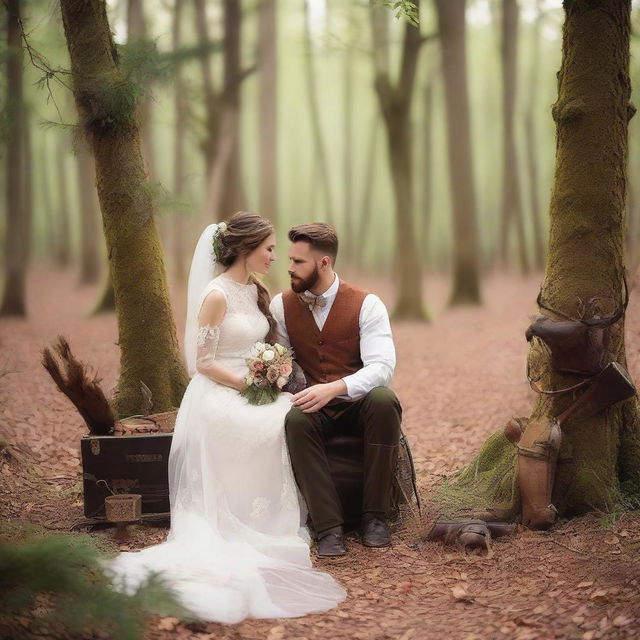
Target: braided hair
(245,232)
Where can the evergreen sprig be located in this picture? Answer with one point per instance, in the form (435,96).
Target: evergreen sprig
(58,583)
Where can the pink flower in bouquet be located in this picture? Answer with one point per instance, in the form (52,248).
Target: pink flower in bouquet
(280,382)
(272,374)
(286,369)
(256,365)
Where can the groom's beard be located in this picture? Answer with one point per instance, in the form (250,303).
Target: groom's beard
(300,285)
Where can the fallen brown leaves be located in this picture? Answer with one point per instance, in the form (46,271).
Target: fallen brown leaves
(459,379)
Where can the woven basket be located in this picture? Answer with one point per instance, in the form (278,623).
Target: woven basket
(153,423)
(123,507)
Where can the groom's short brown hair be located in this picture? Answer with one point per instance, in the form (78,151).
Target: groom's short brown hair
(319,235)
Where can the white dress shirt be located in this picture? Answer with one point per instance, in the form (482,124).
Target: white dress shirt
(377,351)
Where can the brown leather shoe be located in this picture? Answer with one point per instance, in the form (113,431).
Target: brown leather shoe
(331,545)
(374,533)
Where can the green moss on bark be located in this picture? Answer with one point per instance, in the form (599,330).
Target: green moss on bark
(600,455)
(149,351)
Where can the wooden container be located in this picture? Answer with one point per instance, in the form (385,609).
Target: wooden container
(128,464)
(123,507)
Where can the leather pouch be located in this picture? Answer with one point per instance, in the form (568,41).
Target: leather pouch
(575,347)
(537,458)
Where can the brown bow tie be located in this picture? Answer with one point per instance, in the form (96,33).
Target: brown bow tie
(314,302)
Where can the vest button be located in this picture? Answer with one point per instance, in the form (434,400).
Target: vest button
(321,342)
(321,358)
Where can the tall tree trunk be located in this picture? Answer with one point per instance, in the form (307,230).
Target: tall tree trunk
(347,150)
(233,197)
(63,219)
(632,224)
(395,105)
(586,235)
(18,214)
(90,234)
(532,146)
(48,205)
(268,56)
(107,301)
(147,336)
(466,283)
(226,192)
(427,167)
(211,98)
(364,219)
(600,455)
(511,198)
(179,151)
(318,139)
(137,31)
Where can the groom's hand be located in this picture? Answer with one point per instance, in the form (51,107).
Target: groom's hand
(317,396)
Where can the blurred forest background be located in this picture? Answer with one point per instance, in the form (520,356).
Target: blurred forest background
(302,110)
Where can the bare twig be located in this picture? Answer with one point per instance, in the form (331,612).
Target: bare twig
(565,546)
(41,63)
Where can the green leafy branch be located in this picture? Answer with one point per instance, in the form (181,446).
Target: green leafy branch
(406,9)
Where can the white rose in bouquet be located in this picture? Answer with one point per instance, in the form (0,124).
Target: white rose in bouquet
(269,371)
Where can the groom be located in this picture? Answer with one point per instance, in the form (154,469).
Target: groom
(342,339)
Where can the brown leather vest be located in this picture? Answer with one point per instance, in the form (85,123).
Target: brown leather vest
(334,352)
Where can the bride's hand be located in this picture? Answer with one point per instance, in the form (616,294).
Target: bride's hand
(240,385)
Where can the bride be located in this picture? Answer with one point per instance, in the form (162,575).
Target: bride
(236,548)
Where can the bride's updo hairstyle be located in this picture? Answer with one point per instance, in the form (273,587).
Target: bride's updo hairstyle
(245,232)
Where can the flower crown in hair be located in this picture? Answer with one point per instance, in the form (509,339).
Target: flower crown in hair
(217,246)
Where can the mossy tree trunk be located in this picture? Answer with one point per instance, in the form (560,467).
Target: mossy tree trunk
(395,105)
(107,108)
(586,237)
(452,31)
(600,455)
(18,214)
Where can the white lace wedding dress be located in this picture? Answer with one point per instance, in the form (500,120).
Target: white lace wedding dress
(235,548)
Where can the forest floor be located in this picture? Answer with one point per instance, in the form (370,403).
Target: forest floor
(459,379)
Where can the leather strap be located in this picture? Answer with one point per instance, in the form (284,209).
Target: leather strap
(593,322)
(555,392)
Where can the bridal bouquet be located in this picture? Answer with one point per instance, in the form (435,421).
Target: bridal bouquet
(269,369)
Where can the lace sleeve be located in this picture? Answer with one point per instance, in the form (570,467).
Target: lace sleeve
(207,343)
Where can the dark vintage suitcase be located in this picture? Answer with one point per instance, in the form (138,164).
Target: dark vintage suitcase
(128,464)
